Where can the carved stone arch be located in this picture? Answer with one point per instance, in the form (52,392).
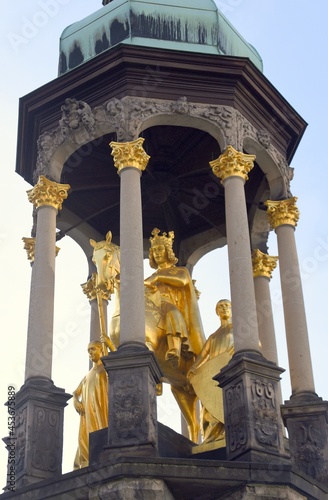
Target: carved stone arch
(273,165)
(186,121)
(275,184)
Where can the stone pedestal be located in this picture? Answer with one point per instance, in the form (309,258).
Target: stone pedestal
(306,418)
(39,431)
(252,414)
(133,373)
(130,489)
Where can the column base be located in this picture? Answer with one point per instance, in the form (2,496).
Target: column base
(133,373)
(306,418)
(38,431)
(252,417)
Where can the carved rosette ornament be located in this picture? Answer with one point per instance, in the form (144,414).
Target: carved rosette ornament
(263,264)
(232,163)
(90,289)
(282,212)
(129,154)
(47,192)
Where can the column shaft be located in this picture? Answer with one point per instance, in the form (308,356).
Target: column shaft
(265,318)
(41,311)
(299,357)
(131,244)
(244,317)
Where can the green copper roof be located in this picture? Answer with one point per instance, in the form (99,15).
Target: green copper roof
(190,25)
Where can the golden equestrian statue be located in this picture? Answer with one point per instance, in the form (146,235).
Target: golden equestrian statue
(173,328)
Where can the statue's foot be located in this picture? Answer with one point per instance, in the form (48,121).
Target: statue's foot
(173,357)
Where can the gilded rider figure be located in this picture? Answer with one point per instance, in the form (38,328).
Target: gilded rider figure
(180,317)
(90,400)
(220,342)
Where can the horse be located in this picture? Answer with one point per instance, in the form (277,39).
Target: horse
(106,257)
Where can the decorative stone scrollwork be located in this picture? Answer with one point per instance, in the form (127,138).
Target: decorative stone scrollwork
(45,452)
(236,417)
(263,138)
(309,457)
(128,407)
(80,124)
(265,413)
(20,422)
(77,121)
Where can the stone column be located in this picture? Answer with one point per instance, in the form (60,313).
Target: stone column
(283,217)
(263,266)
(232,167)
(132,370)
(305,414)
(130,159)
(47,198)
(249,382)
(39,403)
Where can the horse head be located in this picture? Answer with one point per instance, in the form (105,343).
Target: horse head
(106,257)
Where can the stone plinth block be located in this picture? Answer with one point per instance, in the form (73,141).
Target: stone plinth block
(130,489)
(39,431)
(252,414)
(306,418)
(133,373)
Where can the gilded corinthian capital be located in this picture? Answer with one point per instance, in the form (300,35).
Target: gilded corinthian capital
(283,212)
(29,246)
(47,192)
(129,154)
(232,163)
(90,289)
(263,264)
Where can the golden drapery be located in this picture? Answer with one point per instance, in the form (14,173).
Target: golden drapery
(180,312)
(93,394)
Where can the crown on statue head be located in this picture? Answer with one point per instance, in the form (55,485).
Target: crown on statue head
(165,239)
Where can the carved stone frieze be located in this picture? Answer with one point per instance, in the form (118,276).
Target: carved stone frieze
(126,117)
(20,431)
(236,428)
(128,407)
(265,413)
(45,453)
(310,456)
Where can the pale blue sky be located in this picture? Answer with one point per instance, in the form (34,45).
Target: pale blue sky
(291,38)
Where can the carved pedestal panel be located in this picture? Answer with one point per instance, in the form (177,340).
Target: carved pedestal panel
(133,373)
(306,418)
(39,431)
(252,415)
